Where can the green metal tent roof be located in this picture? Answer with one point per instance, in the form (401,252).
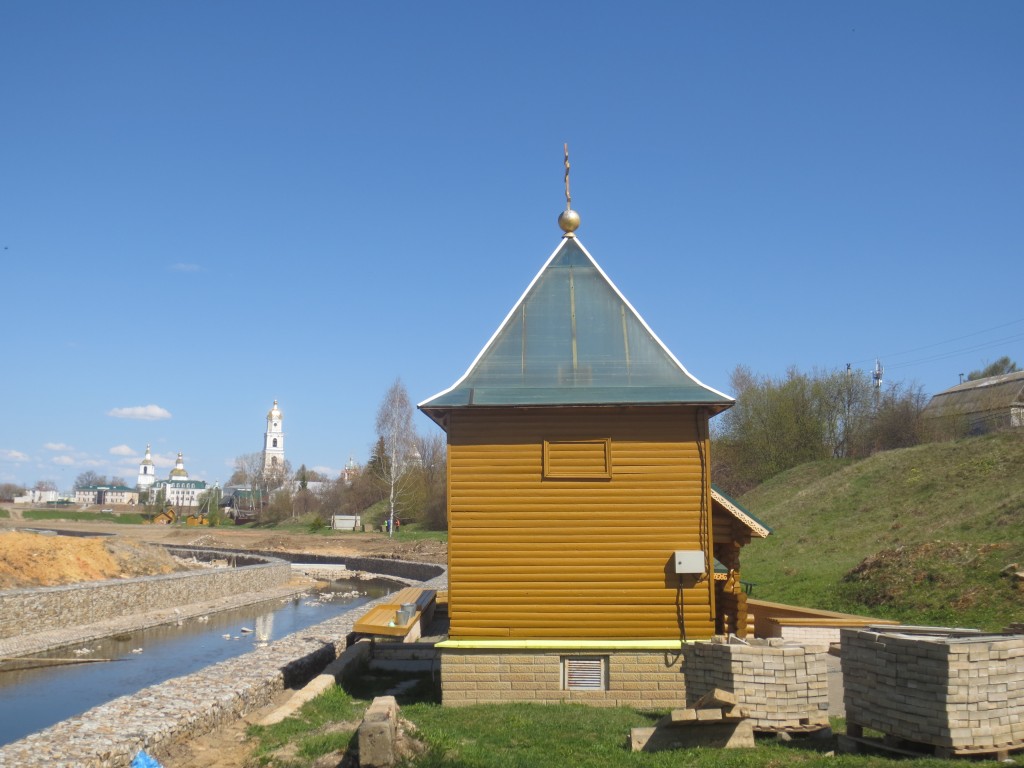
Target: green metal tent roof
(574,339)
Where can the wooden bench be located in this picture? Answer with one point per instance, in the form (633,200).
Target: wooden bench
(382,620)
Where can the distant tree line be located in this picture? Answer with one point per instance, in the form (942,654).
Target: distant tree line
(89,479)
(779,423)
(998,368)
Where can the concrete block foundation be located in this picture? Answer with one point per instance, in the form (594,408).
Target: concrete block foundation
(642,679)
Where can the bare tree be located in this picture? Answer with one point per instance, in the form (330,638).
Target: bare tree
(89,478)
(8,491)
(247,467)
(249,472)
(397,443)
(434,462)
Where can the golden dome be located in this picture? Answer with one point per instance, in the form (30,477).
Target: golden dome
(179,468)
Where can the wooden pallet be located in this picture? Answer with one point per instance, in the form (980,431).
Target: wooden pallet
(855,741)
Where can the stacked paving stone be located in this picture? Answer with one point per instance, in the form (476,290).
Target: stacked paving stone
(782,685)
(956,693)
(160,716)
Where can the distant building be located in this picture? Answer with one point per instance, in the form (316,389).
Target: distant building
(981,405)
(241,501)
(147,472)
(106,494)
(178,489)
(33,496)
(273,441)
(350,472)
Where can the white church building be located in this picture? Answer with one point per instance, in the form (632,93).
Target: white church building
(178,490)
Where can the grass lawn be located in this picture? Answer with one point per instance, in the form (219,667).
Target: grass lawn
(921,535)
(4,513)
(528,736)
(129,518)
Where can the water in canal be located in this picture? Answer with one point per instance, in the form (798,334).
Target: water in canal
(33,699)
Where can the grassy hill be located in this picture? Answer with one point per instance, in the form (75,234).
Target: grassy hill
(922,535)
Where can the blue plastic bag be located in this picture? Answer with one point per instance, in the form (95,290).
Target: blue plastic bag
(143,760)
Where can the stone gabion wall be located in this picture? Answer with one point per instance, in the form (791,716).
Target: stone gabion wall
(25,611)
(645,679)
(783,685)
(403,569)
(163,715)
(109,736)
(957,693)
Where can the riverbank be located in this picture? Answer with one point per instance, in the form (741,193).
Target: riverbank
(39,642)
(402,546)
(163,717)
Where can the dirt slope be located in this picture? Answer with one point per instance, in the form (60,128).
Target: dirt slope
(35,560)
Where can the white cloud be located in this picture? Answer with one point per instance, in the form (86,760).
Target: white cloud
(81,460)
(328,472)
(57,447)
(122,450)
(182,267)
(165,460)
(9,455)
(141,412)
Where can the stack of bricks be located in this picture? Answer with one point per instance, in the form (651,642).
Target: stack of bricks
(783,686)
(956,693)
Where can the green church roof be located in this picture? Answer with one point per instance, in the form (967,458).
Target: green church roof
(574,339)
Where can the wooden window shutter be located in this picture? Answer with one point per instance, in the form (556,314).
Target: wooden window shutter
(578,459)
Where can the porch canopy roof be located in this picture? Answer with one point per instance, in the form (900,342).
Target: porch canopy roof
(573,339)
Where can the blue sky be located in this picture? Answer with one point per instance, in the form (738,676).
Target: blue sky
(207,206)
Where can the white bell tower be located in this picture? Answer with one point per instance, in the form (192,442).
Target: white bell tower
(273,441)
(147,472)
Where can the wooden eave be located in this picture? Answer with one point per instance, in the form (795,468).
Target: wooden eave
(756,527)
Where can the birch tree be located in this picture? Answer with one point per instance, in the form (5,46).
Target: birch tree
(397,442)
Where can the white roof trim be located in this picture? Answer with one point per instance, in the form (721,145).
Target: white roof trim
(522,298)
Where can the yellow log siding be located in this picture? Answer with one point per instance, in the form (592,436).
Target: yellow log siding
(533,555)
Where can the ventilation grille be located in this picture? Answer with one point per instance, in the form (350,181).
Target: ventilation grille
(584,674)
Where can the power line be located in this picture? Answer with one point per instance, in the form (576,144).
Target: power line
(954,353)
(947,341)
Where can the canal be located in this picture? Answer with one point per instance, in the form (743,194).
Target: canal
(34,698)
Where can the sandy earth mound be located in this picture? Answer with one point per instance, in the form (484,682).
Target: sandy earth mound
(36,560)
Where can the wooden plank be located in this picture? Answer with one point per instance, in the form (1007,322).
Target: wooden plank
(730,735)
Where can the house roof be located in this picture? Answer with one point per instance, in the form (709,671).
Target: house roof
(573,339)
(994,393)
(745,516)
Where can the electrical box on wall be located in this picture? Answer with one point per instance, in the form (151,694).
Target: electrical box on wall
(689,561)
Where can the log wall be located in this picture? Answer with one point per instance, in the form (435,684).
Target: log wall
(563,523)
